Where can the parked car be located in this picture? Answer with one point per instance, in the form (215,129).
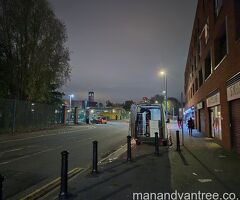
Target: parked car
(101,120)
(104,120)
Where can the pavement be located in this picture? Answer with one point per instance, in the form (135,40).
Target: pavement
(201,165)
(118,178)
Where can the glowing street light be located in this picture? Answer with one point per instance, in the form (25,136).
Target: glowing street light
(162,73)
(70,101)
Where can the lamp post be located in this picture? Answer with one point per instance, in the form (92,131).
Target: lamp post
(163,73)
(70,101)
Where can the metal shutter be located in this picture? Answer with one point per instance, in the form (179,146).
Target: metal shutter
(202,118)
(235,124)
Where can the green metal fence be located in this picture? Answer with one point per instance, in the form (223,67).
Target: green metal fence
(16,115)
(81,114)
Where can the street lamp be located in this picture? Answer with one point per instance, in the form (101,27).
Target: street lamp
(163,73)
(70,101)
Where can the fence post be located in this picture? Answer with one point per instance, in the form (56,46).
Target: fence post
(178,141)
(95,157)
(76,115)
(64,114)
(64,176)
(156,144)
(129,150)
(14,116)
(1,187)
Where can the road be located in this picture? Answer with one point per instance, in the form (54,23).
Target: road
(30,162)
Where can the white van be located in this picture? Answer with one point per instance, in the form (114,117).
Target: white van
(145,121)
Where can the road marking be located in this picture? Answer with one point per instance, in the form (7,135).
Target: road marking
(222,156)
(46,135)
(23,157)
(12,150)
(205,180)
(52,185)
(218,170)
(114,155)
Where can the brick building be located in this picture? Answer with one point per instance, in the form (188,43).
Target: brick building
(212,73)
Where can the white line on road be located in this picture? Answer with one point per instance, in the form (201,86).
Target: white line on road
(23,157)
(12,150)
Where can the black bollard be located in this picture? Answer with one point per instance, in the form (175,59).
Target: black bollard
(129,150)
(1,187)
(95,157)
(178,141)
(64,176)
(156,144)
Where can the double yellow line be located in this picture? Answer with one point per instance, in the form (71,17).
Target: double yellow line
(50,186)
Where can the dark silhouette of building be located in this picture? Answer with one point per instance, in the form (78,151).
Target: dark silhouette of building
(91,96)
(91,103)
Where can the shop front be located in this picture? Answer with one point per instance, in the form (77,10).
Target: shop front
(214,109)
(233,97)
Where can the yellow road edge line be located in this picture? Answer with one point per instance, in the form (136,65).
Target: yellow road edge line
(50,186)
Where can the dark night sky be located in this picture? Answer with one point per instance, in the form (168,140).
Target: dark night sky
(118,46)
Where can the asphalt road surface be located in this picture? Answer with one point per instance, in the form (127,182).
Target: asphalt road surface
(32,161)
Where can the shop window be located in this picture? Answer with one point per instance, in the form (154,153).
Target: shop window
(208,66)
(237,13)
(200,75)
(218,6)
(216,126)
(220,45)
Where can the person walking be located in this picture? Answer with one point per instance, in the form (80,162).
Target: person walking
(190,124)
(179,120)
